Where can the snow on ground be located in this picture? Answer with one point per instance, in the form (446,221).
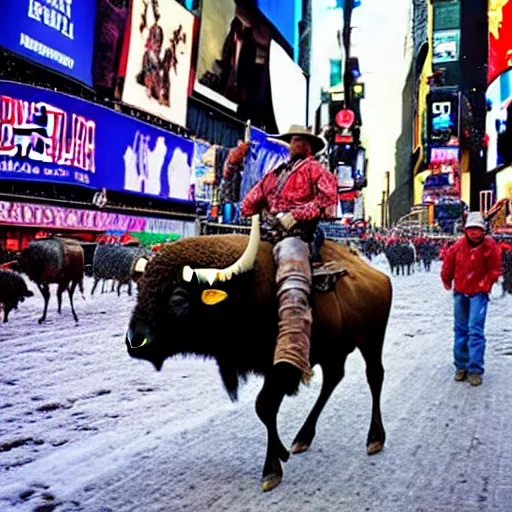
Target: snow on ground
(83,427)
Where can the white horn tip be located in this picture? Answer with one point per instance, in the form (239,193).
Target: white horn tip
(141,265)
(188,274)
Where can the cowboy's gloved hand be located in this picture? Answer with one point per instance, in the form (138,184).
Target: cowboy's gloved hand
(286,220)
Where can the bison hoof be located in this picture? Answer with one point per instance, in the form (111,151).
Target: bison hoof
(270,481)
(374,447)
(40,321)
(299,447)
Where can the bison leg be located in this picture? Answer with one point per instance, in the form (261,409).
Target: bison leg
(96,281)
(71,291)
(60,290)
(45,292)
(7,309)
(372,354)
(332,375)
(119,284)
(267,406)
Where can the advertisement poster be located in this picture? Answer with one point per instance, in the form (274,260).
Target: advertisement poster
(48,136)
(56,34)
(233,61)
(289,103)
(159,59)
(111,21)
(499,121)
(446,46)
(283,15)
(500,37)
(443,125)
(204,171)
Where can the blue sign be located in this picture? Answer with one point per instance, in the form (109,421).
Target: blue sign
(58,34)
(53,137)
(282,14)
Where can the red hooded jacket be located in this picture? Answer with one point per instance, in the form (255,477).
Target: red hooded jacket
(473,269)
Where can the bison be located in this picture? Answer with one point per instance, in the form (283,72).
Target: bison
(54,260)
(13,290)
(230,315)
(401,255)
(115,262)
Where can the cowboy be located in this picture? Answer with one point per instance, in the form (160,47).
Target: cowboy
(473,263)
(292,199)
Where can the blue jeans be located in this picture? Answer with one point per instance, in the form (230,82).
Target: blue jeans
(469,346)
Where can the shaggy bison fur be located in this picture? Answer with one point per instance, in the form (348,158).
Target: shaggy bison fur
(115,262)
(13,290)
(54,260)
(240,331)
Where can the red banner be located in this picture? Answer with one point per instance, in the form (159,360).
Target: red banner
(500,37)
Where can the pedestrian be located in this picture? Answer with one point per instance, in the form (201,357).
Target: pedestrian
(473,263)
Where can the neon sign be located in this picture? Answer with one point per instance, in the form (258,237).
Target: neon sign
(43,133)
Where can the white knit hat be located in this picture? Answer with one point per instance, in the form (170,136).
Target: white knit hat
(475,220)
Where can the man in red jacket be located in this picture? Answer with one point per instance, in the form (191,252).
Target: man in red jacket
(293,198)
(473,263)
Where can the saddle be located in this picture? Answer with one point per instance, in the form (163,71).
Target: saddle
(325,275)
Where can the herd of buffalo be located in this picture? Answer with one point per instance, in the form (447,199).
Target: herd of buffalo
(65,262)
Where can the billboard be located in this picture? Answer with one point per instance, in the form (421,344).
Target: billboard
(282,15)
(56,217)
(499,121)
(159,59)
(443,119)
(56,34)
(500,37)
(446,46)
(289,103)
(48,136)
(233,60)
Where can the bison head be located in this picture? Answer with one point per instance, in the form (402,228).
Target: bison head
(178,303)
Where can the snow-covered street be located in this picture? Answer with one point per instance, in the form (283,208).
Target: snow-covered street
(83,427)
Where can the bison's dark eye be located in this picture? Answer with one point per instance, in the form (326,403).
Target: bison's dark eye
(180,303)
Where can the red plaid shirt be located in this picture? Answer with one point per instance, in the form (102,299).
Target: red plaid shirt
(309,193)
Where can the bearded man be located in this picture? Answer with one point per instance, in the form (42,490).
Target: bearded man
(292,199)
(473,263)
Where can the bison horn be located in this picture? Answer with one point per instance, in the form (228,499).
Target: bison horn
(243,264)
(140,265)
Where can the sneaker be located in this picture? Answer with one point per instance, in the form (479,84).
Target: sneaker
(460,375)
(475,379)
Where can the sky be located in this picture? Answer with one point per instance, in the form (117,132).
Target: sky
(379,37)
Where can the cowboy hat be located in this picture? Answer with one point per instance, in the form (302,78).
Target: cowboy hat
(317,143)
(475,220)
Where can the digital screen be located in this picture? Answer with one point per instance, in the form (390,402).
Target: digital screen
(56,34)
(53,137)
(446,46)
(443,120)
(159,59)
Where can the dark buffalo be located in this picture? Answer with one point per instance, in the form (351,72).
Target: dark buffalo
(54,260)
(401,256)
(230,315)
(427,253)
(13,290)
(115,262)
